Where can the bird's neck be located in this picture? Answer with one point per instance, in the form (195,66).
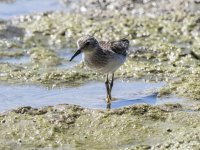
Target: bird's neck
(92,51)
(90,55)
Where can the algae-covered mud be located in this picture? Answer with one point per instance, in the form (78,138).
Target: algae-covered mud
(164,47)
(72,127)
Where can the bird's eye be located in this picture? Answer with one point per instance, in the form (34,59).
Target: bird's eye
(87,43)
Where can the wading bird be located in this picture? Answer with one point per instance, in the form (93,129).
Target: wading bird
(104,56)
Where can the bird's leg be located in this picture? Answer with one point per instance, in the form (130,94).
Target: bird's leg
(111,84)
(108,97)
(110,90)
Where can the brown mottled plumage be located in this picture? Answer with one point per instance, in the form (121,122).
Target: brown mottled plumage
(104,56)
(119,47)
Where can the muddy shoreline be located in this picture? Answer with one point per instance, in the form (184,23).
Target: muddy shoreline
(164,46)
(73,127)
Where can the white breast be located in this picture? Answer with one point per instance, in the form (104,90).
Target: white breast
(112,65)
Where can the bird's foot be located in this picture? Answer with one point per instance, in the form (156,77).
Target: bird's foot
(108,106)
(108,101)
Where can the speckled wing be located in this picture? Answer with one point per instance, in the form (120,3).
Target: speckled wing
(119,47)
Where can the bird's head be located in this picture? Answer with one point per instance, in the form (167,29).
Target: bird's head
(85,44)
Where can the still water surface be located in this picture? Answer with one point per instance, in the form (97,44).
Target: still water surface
(21,7)
(90,95)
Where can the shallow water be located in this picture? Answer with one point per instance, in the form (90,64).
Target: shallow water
(90,95)
(8,10)
(66,55)
(14,60)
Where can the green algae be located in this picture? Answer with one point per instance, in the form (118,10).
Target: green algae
(44,57)
(46,77)
(129,127)
(187,87)
(11,53)
(162,48)
(169,42)
(165,44)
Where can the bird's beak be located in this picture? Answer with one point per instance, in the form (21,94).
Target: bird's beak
(77,53)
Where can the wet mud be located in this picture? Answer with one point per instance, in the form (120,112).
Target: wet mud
(164,47)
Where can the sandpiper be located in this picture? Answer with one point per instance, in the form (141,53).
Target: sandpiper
(103,56)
